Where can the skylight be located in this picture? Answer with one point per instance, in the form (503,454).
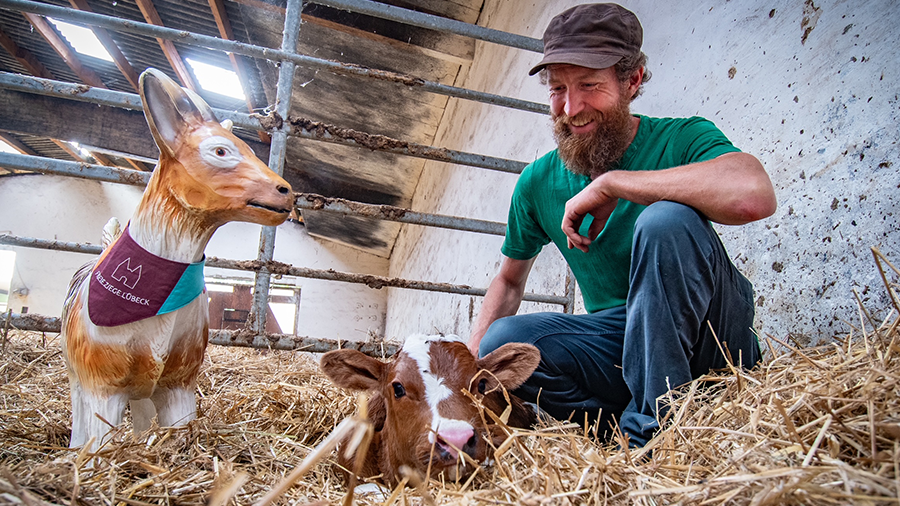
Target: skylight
(217,80)
(82,39)
(6,148)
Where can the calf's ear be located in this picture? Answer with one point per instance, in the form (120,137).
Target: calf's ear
(511,364)
(352,369)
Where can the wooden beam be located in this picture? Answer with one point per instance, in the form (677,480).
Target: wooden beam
(225,31)
(103,127)
(111,47)
(15,144)
(97,127)
(463,57)
(24,57)
(168,48)
(63,50)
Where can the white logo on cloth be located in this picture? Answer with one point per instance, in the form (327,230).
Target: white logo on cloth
(126,275)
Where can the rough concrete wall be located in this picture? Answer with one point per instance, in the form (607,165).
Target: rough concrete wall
(73,210)
(808,87)
(468,258)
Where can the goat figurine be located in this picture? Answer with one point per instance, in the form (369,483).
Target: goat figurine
(135,323)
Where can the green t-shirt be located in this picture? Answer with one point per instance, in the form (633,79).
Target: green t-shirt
(541,193)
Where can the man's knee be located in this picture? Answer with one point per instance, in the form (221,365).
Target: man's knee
(664,218)
(502,331)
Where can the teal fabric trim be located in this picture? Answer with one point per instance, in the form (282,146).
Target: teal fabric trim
(190,285)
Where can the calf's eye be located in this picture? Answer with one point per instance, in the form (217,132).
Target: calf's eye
(482,385)
(399,391)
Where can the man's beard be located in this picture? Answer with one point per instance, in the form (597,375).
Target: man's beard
(595,152)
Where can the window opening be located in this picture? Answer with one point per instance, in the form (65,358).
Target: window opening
(83,40)
(217,79)
(231,300)
(7,263)
(6,148)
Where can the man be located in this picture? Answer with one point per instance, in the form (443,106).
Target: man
(627,199)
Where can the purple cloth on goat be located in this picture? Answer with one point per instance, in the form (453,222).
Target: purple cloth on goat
(132,284)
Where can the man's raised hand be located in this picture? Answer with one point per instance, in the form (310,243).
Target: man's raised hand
(592,200)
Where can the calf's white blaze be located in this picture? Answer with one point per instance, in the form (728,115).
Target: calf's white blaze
(417,347)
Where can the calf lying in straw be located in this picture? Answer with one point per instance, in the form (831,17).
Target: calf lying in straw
(135,322)
(421,415)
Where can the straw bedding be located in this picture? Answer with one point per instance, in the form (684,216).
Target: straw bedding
(810,426)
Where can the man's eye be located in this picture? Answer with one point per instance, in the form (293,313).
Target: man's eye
(221,152)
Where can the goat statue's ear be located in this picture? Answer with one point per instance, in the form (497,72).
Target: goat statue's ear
(169,109)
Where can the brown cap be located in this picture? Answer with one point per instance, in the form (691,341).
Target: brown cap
(592,35)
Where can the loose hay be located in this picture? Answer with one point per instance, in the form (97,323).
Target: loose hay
(811,426)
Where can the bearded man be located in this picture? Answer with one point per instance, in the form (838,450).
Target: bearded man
(628,200)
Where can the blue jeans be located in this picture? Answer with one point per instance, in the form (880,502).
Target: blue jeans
(613,364)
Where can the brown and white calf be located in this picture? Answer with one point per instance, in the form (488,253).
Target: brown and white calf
(135,323)
(421,417)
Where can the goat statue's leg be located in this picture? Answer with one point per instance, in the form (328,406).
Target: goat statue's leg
(176,406)
(93,416)
(142,413)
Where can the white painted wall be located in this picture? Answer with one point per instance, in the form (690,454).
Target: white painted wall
(74,210)
(811,88)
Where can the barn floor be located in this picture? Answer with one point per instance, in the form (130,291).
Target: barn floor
(817,427)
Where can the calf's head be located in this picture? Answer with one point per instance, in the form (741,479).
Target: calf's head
(426,419)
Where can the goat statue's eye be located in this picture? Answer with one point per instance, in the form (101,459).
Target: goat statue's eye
(221,152)
(399,391)
(482,385)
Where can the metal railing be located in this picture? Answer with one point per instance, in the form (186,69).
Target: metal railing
(264,266)
(292,24)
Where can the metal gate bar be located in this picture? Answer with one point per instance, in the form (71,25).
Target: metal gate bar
(288,58)
(310,201)
(300,127)
(277,150)
(345,69)
(273,267)
(438,23)
(223,337)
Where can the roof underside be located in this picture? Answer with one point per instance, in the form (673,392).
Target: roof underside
(42,126)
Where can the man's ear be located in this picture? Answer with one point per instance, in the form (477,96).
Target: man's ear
(634,82)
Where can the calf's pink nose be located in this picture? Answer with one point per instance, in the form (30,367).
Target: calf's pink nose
(457,438)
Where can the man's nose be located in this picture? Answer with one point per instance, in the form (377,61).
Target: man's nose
(574,103)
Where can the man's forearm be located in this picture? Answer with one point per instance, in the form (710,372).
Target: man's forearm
(500,300)
(732,189)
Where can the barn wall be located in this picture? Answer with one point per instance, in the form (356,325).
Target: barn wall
(74,210)
(811,88)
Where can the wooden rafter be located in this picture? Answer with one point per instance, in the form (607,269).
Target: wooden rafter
(65,146)
(63,50)
(15,144)
(111,47)
(137,164)
(225,31)
(168,48)
(102,159)
(24,57)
